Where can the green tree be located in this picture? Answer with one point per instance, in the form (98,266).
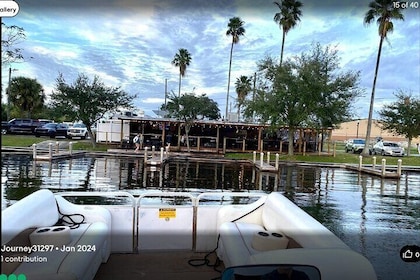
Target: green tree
(10,37)
(287,18)
(182,59)
(26,96)
(190,108)
(383,11)
(243,87)
(88,101)
(236,30)
(304,91)
(402,116)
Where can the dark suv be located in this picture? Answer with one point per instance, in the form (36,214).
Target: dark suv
(16,126)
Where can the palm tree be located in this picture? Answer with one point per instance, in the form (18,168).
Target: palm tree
(384,11)
(27,95)
(182,59)
(243,87)
(287,18)
(235,29)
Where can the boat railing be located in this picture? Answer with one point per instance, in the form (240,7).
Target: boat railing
(189,216)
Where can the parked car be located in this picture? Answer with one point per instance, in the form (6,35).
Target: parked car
(4,127)
(355,145)
(23,126)
(77,130)
(16,126)
(52,130)
(387,148)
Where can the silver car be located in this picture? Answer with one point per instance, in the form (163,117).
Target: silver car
(387,148)
(355,145)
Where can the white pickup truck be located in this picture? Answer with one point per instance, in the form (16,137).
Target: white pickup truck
(77,130)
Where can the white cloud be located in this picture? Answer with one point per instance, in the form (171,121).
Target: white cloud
(132,43)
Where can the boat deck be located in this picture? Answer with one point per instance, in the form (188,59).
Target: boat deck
(156,265)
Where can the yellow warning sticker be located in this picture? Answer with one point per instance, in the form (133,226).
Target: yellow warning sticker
(167,213)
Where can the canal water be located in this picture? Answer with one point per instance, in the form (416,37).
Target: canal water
(375,217)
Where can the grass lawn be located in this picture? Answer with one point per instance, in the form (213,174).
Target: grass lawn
(341,156)
(27,141)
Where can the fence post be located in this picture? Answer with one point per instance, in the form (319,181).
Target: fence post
(70,147)
(360,162)
(57,147)
(374,162)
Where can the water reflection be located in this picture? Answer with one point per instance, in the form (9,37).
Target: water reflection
(375,217)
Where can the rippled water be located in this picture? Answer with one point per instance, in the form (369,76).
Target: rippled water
(374,216)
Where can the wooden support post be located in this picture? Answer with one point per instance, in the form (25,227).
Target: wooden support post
(70,147)
(254,157)
(34,151)
(261,159)
(268,157)
(374,162)
(277,162)
(399,167)
(360,162)
(383,166)
(145,154)
(50,150)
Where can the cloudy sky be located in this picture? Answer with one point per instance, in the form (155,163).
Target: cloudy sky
(131,43)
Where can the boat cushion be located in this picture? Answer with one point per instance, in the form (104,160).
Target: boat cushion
(20,216)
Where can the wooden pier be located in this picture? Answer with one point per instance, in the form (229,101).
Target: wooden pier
(265,166)
(154,159)
(380,171)
(53,154)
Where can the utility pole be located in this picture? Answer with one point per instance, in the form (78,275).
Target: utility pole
(8,94)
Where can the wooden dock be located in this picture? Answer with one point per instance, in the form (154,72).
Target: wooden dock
(265,167)
(60,155)
(374,171)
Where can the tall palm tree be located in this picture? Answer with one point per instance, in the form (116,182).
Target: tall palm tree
(182,59)
(383,11)
(27,95)
(287,18)
(235,29)
(243,87)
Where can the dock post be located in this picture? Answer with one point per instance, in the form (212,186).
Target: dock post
(399,167)
(383,166)
(360,162)
(277,161)
(334,149)
(254,157)
(34,151)
(70,147)
(268,157)
(374,162)
(167,150)
(161,154)
(50,150)
(145,153)
(153,151)
(261,159)
(57,147)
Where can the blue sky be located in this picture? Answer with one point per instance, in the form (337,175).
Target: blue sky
(131,43)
